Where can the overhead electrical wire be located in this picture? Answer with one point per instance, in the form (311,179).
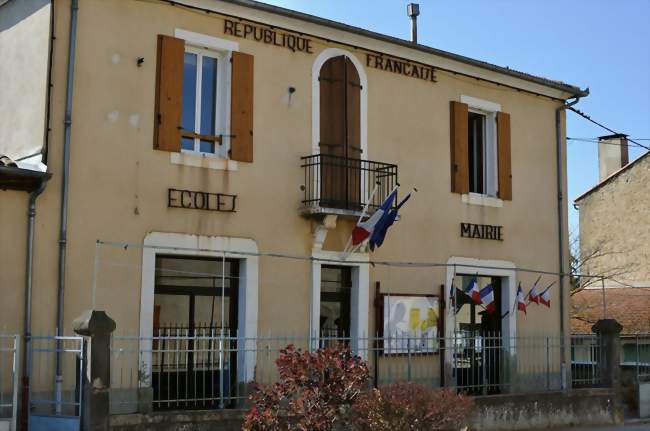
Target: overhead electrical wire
(596,141)
(399,264)
(587,117)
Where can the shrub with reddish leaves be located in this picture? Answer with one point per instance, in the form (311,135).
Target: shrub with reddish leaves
(407,406)
(314,392)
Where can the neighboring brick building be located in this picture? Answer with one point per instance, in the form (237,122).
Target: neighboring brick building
(614,225)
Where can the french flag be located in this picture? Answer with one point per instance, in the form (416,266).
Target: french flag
(473,291)
(533,295)
(363,230)
(487,298)
(379,233)
(521,301)
(545,297)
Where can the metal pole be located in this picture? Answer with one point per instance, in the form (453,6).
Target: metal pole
(602,281)
(413,10)
(560,219)
(638,358)
(14,401)
(408,347)
(29,269)
(74,7)
(548,365)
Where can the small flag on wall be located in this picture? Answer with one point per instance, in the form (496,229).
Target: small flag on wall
(487,298)
(533,295)
(521,303)
(473,291)
(545,297)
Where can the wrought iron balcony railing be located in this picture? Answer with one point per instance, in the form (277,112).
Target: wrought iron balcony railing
(335,184)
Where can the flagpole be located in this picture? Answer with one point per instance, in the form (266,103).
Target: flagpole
(534,284)
(364,212)
(546,290)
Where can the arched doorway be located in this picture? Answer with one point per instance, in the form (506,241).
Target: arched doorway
(340,134)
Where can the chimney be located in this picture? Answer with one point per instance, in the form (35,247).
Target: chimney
(612,154)
(413,10)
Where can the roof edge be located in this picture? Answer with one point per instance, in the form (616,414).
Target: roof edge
(572,90)
(609,178)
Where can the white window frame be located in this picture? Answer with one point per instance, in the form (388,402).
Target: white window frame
(219,96)
(506,270)
(243,249)
(359,299)
(490,151)
(221,49)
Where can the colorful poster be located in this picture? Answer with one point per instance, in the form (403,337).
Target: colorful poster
(410,324)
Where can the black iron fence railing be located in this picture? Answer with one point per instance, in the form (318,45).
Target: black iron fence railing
(344,183)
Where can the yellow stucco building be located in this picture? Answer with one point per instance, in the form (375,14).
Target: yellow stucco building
(198,140)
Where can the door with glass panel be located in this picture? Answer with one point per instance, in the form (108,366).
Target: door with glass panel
(478,359)
(195,328)
(335,294)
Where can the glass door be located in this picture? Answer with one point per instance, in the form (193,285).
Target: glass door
(478,359)
(195,325)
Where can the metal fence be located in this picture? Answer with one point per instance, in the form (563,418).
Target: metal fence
(635,355)
(55,395)
(586,357)
(9,345)
(217,371)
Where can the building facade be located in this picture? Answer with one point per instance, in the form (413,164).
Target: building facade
(230,147)
(614,236)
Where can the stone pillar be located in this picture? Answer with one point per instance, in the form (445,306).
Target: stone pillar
(96,327)
(609,362)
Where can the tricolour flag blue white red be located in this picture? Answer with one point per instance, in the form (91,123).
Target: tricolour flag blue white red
(473,291)
(363,230)
(379,233)
(545,297)
(533,295)
(487,298)
(521,301)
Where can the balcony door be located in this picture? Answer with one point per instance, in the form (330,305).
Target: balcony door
(340,134)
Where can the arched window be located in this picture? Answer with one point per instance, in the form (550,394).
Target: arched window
(340,133)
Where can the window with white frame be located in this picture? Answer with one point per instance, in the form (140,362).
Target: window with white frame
(482,146)
(203,101)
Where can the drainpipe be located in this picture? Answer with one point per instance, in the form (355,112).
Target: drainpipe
(27,324)
(74,7)
(560,223)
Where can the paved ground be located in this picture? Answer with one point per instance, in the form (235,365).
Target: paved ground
(629,427)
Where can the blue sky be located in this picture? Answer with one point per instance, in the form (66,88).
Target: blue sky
(600,44)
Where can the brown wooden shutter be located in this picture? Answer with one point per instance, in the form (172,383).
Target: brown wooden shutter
(332,107)
(169,93)
(459,148)
(503,149)
(353,110)
(353,134)
(241,113)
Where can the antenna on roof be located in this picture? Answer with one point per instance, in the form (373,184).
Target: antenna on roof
(413,10)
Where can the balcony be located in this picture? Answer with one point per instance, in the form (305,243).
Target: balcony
(342,185)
